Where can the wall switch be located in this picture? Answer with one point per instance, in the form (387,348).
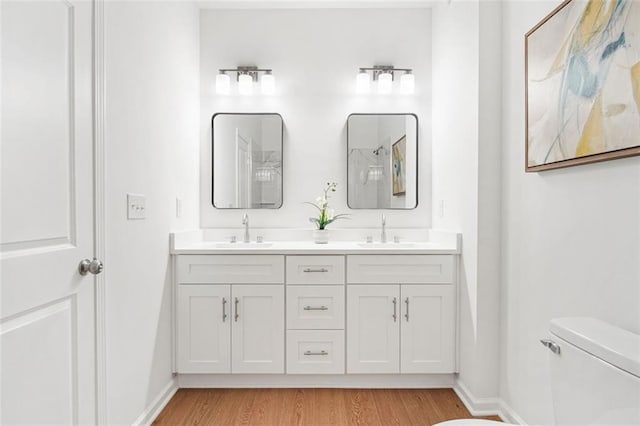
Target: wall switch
(441,208)
(136,206)
(178,208)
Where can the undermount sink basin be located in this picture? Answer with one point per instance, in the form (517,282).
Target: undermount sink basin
(244,245)
(386,245)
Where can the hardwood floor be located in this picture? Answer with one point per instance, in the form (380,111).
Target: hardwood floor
(312,407)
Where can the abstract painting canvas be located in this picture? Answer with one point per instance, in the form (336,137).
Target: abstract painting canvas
(582,65)
(399,155)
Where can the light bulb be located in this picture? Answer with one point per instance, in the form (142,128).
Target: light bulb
(222,84)
(407,83)
(268,84)
(385,81)
(245,84)
(363,82)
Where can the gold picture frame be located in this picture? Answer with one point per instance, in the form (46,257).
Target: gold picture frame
(582,85)
(399,163)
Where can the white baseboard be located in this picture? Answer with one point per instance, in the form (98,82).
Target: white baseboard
(486,406)
(509,415)
(476,406)
(157,405)
(373,381)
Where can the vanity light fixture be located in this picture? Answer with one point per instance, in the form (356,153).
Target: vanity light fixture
(245,84)
(265,174)
(407,83)
(268,83)
(246,76)
(385,82)
(375,173)
(363,82)
(223,84)
(384,75)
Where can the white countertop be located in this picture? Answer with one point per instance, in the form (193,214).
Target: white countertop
(200,242)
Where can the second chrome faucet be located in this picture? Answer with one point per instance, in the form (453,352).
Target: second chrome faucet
(383,233)
(245,222)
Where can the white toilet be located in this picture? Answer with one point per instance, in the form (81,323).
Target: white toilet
(595,375)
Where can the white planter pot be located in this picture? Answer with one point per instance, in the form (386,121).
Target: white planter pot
(321,236)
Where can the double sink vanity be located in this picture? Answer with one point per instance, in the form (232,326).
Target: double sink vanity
(279,310)
(295,310)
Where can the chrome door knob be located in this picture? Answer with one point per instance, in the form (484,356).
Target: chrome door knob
(94,266)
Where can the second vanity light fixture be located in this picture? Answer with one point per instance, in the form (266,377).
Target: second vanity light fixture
(384,76)
(246,76)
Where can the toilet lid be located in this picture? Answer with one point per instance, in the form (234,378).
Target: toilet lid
(471,422)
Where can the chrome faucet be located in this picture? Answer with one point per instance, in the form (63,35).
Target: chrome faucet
(245,222)
(383,234)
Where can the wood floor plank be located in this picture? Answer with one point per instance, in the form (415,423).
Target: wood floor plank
(327,407)
(390,408)
(312,407)
(419,407)
(361,407)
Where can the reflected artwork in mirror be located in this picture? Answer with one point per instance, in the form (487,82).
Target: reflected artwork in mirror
(247,160)
(382,161)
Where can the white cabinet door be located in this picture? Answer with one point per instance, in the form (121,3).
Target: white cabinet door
(373,331)
(428,329)
(204,337)
(258,329)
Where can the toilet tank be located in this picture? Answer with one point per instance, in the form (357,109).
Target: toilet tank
(595,377)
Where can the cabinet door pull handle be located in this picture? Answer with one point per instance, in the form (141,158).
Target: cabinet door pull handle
(315,270)
(224,309)
(406,315)
(395,310)
(315,308)
(316,353)
(237,314)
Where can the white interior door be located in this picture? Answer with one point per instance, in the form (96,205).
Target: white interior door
(373,329)
(47,319)
(258,329)
(428,329)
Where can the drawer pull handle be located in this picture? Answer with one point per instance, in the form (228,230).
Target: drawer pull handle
(237,313)
(316,308)
(316,270)
(224,309)
(395,310)
(406,315)
(316,353)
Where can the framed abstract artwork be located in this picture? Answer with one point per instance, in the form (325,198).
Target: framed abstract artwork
(582,84)
(399,155)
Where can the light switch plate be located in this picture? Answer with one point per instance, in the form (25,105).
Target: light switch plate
(136,206)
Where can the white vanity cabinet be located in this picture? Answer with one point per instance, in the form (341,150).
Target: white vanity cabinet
(225,325)
(401,321)
(313,314)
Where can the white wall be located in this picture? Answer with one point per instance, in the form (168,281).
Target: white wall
(152,86)
(315,55)
(466,147)
(570,239)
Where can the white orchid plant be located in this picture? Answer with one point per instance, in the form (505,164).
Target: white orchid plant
(326,214)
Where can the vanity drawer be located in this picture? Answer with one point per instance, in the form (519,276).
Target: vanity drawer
(315,270)
(400,269)
(315,352)
(230,269)
(315,307)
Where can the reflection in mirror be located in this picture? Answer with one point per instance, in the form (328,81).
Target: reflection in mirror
(382,161)
(247,161)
